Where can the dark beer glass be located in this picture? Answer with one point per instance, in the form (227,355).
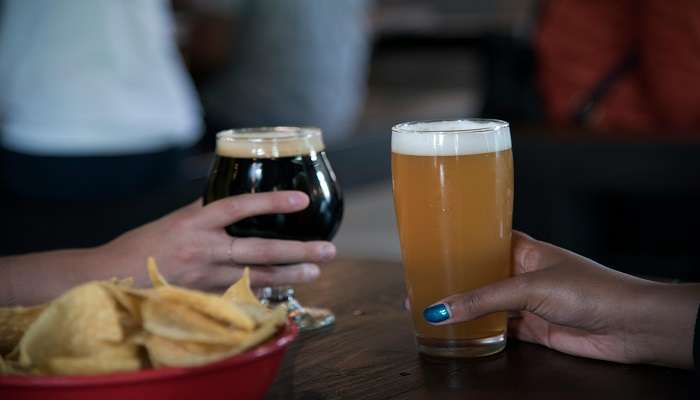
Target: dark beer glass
(266,159)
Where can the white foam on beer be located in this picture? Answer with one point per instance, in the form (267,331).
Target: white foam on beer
(450,138)
(269,144)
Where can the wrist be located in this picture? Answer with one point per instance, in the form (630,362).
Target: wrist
(91,266)
(39,277)
(665,326)
(120,259)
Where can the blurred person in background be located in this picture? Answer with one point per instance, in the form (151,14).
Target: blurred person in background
(622,65)
(298,62)
(95,102)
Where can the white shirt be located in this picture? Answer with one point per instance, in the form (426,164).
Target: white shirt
(93,77)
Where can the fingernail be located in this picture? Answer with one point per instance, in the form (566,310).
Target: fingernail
(294,199)
(311,272)
(437,313)
(327,252)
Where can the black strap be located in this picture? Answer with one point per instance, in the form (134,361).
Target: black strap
(603,87)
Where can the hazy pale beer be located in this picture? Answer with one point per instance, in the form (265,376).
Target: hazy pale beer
(453,193)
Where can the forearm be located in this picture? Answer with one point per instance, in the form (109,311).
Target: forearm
(39,277)
(667,324)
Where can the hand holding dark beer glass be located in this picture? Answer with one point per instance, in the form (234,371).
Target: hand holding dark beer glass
(255,160)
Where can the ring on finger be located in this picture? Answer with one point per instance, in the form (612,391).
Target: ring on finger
(230,251)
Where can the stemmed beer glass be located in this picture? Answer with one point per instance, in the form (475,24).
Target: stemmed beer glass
(266,159)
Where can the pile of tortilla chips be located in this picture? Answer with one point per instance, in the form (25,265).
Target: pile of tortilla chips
(110,326)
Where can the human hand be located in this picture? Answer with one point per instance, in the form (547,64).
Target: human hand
(193,249)
(575,305)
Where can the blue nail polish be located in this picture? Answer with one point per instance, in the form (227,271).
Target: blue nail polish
(436,313)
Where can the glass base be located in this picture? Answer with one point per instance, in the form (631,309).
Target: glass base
(310,318)
(306,318)
(462,348)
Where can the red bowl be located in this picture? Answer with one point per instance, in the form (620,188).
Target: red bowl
(244,376)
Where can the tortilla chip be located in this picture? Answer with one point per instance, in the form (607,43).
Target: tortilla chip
(240,292)
(277,318)
(14,321)
(110,326)
(117,359)
(176,353)
(179,322)
(129,306)
(122,282)
(81,322)
(210,305)
(157,279)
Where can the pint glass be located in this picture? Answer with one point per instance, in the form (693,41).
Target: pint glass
(453,193)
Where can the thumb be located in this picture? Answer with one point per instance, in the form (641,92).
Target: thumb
(508,295)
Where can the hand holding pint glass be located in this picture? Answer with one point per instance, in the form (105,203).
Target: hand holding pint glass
(266,159)
(453,193)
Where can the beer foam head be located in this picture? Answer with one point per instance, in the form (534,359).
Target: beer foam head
(272,142)
(450,138)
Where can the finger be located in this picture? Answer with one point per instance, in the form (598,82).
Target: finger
(534,329)
(530,255)
(529,328)
(222,277)
(232,209)
(507,295)
(286,275)
(188,210)
(526,253)
(269,251)
(515,314)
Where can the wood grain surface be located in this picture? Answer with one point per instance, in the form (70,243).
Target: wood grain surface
(370,354)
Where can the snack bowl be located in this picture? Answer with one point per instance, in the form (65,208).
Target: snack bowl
(244,376)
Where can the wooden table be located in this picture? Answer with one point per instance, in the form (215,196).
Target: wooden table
(370,354)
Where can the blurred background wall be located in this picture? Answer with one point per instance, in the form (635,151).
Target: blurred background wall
(605,128)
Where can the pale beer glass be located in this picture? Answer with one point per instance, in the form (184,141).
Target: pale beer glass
(453,194)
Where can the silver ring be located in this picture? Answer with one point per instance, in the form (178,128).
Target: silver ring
(230,251)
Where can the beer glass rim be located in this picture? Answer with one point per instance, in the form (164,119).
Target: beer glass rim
(410,126)
(269,134)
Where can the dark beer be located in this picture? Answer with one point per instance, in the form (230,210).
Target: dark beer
(272,159)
